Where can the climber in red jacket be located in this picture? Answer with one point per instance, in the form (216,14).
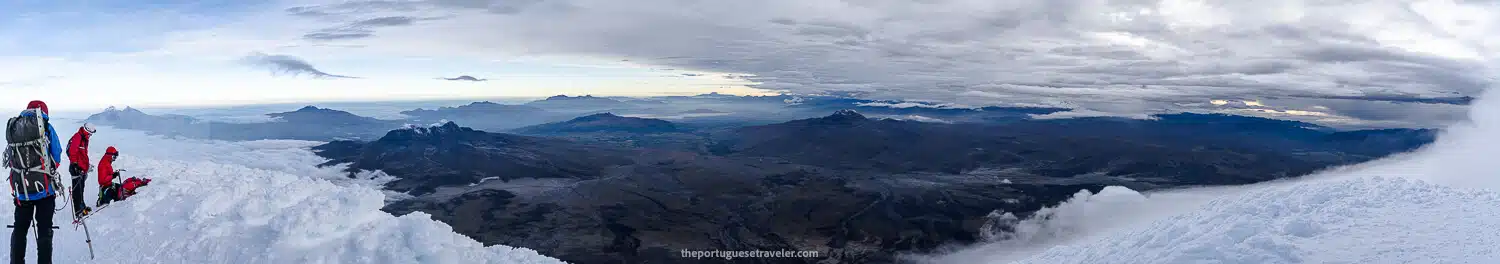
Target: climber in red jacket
(79,167)
(109,191)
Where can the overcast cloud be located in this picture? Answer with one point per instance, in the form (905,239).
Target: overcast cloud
(1124,57)
(1378,62)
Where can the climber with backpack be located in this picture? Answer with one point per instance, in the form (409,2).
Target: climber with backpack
(109,190)
(79,167)
(32,153)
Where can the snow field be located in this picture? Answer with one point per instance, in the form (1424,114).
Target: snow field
(251,202)
(1359,220)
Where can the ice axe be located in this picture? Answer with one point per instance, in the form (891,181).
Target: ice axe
(88,239)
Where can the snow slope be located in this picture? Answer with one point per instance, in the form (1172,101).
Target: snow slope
(253,202)
(1360,220)
(1084,216)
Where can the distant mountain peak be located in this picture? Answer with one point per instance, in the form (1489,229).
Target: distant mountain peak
(713,95)
(603,122)
(846,114)
(433,130)
(310,110)
(598,116)
(117,111)
(840,117)
(322,115)
(564,97)
(585,102)
(446,125)
(481,115)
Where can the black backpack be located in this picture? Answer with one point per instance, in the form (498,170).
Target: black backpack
(32,171)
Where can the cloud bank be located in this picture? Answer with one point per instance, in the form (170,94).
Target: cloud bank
(907,105)
(287,64)
(465,78)
(1122,56)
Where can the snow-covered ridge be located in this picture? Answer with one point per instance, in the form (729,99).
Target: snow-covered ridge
(425,129)
(218,213)
(253,202)
(846,112)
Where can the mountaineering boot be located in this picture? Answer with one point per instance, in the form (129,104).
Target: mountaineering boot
(83,211)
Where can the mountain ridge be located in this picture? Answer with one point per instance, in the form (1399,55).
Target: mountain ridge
(823,171)
(603,122)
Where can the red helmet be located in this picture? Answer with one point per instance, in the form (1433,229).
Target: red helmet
(111,151)
(38,104)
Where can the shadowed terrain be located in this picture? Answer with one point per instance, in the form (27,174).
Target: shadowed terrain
(856,189)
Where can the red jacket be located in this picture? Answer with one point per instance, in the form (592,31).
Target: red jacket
(78,149)
(107,167)
(128,188)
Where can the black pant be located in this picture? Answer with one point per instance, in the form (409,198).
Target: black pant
(42,210)
(78,177)
(108,193)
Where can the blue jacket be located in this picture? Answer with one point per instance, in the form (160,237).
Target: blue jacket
(55,149)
